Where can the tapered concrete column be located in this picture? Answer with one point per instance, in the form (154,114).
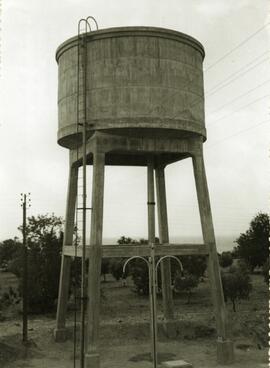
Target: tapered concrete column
(169,325)
(92,358)
(60,331)
(224,345)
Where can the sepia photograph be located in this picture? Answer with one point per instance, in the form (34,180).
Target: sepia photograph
(134,156)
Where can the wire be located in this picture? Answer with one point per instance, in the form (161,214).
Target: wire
(240,96)
(241,108)
(238,133)
(236,47)
(240,72)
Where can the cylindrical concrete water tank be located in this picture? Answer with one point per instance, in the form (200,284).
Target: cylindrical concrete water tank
(140,81)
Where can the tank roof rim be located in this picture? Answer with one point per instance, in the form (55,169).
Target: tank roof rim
(136,30)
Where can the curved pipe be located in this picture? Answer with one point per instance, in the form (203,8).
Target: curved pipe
(87,24)
(178,260)
(90,17)
(130,259)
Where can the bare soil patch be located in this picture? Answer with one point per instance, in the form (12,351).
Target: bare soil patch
(124,334)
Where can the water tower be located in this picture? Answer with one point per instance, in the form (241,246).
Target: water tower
(134,96)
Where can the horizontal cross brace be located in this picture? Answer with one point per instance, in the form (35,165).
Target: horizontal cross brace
(130,250)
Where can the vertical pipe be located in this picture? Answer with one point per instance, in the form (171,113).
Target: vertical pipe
(25,275)
(152,267)
(151,241)
(83,277)
(151,202)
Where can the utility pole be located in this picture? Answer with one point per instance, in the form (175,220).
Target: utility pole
(24,204)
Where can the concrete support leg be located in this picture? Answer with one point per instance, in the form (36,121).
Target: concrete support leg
(224,345)
(60,330)
(169,323)
(92,358)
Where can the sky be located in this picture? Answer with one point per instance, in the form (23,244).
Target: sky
(235,35)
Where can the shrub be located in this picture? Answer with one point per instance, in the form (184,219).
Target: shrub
(225,259)
(9,297)
(8,251)
(116,268)
(236,284)
(186,283)
(140,276)
(194,265)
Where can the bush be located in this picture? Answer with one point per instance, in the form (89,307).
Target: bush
(44,259)
(186,283)
(194,265)
(8,251)
(225,259)
(116,268)
(236,284)
(140,276)
(10,297)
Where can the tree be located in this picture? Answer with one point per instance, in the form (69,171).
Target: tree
(194,265)
(45,237)
(8,250)
(236,284)
(253,245)
(126,240)
(185,283)
(225,259)
(137,268)
(116,268)
(140,276)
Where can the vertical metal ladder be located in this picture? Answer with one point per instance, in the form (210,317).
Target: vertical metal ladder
(81,205)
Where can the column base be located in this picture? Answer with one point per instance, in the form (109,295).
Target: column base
(169,328)
(225,353)
(60,334)
(92,360)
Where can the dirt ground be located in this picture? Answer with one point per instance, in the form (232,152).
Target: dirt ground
(124,333)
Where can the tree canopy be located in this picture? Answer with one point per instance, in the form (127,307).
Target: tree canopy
(236,284)
(44,241)
(8,250)
(253,245)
